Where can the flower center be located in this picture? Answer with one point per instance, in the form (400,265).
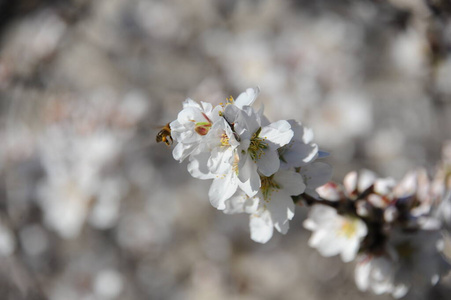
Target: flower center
(268,185)
(348,227)
(225,140)
(229,100)
(257,146)
(202,128)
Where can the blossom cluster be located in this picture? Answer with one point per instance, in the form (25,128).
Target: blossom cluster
(393,230)
(256,165)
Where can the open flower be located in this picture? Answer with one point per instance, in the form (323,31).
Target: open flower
(258,149)
(410,261)
(272,207)
(377,274)
(216,158)
(192,125)
(420,262)
(333,233)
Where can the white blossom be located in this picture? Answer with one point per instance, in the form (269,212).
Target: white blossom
(272,207)
(419,257)
(377,274)
(410,261)
(192,124)
(217,159)
(333,233)
(258,149)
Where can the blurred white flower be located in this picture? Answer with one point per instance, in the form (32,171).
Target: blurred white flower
(333,233)
(419,257)
(7,241)
(376,274)
(411,261)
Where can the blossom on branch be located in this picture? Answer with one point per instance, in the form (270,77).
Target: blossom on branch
(256,166)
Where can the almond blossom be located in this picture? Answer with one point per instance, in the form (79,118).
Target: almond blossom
(192,124)
(272,207)
(333,233)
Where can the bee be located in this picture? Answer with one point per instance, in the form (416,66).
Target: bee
(164,135)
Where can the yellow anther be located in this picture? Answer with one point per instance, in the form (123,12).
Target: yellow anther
(268,185)
(257,146)
(225,140)
(348,227)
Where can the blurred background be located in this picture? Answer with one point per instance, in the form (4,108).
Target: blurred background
(92,208)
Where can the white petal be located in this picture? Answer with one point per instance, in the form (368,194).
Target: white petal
(252,119)
(268,163)
(366,179)
(222,189)
(249,179)
(206,107)
(329,191)
(240,203)
(277,134)
(400,291)
(290,181)
(299,154)
(322,214)
(310,225)
(261,227)
(220,160)
(362,273)
(328,247)
(247,98)
(384,186)
(197,166)
(317,237)
(281,208)
(349,252)
(181,151)
(316,174)
(190,114)
(176,127)
(191,103)
(350,182)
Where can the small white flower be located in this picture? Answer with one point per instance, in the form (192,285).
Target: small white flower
(377,274)
(420,262)
(258,147)
(192,124)
(217,159)
(411,260)
(356,183)
(333,233)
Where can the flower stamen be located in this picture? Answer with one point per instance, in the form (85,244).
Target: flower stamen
(268,186)
(257,146)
